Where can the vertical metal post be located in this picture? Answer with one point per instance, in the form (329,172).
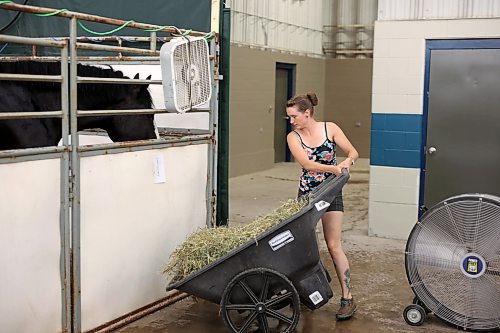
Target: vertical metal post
(212,147)
(64,217)
(213,118)
(215,15)
(75,178)
(152,42)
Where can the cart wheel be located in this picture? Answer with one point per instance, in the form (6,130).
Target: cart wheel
(417,301)
(261,300)
(414,315)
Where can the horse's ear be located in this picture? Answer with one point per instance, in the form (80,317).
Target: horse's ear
(145,86)
(136,76)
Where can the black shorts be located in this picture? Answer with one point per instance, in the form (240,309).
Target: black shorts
(337,205)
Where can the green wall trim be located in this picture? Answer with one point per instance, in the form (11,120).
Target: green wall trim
(222,213)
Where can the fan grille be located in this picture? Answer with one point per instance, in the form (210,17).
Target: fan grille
(453,261)
(191,74)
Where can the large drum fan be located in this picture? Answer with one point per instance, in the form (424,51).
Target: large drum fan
(453,263)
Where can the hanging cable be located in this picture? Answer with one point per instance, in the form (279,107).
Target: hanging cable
(8,25)
(163,27)
(53,13)
(3,47)
(106,32)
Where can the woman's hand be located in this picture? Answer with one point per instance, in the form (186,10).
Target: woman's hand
(337,169)
(346,164)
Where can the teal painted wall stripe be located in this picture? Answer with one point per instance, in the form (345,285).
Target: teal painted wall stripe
(396,140)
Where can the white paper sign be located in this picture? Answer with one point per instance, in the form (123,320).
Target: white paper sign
(159,169)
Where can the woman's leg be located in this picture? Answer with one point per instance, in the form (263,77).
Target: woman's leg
(332,230)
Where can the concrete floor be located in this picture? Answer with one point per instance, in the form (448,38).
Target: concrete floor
(377,265)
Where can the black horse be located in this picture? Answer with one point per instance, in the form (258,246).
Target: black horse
(23,96)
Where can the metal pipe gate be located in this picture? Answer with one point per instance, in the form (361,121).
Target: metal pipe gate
(70,153)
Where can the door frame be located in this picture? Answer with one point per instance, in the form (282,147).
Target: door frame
(442,44)
(290,68)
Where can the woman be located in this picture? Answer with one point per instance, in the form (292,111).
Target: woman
(313,145)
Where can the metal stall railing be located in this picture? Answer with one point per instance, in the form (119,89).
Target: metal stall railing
(50,152)
(71,152)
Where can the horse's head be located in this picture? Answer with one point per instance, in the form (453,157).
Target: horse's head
(127,127)
(137,97)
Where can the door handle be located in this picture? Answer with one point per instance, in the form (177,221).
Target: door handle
(431,150)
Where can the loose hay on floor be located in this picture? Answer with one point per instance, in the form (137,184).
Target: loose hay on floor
(207,245)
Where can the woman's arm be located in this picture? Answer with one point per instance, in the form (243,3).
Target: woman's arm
(301,157)
(344,144)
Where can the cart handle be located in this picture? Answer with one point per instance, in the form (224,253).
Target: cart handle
(333,184)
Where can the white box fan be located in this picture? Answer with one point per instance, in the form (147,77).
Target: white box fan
(185,67)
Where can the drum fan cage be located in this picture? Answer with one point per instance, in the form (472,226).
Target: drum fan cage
(453,261)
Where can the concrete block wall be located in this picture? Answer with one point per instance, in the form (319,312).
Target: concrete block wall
(396,150)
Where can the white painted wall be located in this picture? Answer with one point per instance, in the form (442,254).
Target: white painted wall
(398,87)
(437,9)
(130,225)
(30,284)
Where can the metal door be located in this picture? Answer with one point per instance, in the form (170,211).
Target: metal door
(282,93)
(463,117)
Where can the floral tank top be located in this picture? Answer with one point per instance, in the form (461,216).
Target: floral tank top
(324,154)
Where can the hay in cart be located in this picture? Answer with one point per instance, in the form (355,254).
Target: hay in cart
(209,244)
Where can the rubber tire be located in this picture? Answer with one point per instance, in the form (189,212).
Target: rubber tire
(414,315)
(294,301)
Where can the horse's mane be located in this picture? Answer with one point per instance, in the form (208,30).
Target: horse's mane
(54,68)
(113,91)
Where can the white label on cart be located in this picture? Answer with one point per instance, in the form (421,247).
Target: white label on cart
(321,205)
(281,240)
(316,297)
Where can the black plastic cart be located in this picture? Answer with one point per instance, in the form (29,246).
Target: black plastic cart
(261,284)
